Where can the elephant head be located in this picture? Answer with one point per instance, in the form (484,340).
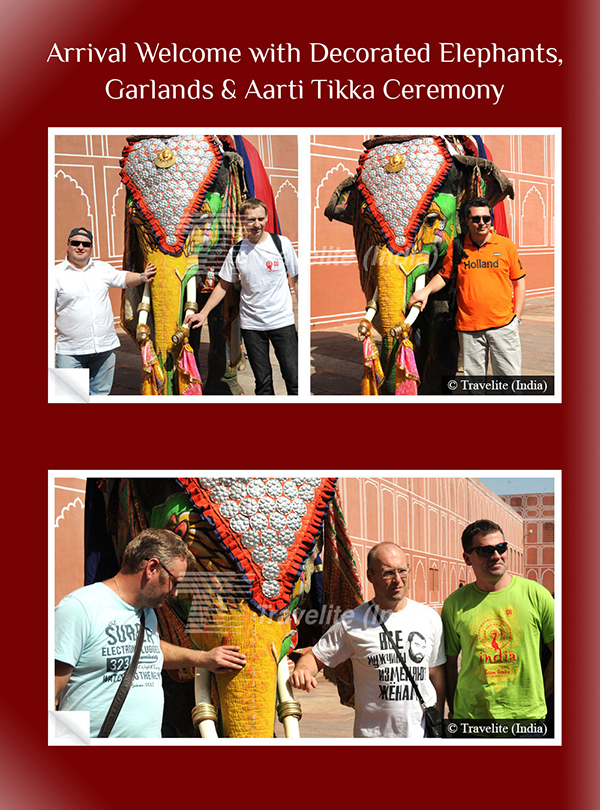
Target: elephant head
(404,205)
(183,198)
(259,544)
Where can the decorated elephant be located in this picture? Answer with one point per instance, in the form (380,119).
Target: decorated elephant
(405,205)
(182,215)
(267,549)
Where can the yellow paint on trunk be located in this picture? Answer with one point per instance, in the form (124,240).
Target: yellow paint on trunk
(392,288)
(166,298)
(392,275)
(247,697)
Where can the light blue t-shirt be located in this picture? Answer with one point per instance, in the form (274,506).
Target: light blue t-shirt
(96,633)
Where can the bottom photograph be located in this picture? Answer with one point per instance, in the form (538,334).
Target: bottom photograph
(326,610)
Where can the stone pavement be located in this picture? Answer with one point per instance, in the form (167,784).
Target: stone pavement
(336,356)
(128,374)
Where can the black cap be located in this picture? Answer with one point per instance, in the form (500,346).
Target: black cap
(80,232)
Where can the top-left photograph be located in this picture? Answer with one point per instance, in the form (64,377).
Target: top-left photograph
(175,268)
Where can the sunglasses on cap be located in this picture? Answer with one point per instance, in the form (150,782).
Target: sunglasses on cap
(487,218)
(77,242)
(488,551)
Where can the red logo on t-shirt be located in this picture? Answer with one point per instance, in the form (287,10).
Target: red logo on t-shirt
(272,266)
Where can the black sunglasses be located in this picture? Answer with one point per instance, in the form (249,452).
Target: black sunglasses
(477,220)
(76,243)
(488,551)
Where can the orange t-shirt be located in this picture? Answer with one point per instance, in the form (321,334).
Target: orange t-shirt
(484,290)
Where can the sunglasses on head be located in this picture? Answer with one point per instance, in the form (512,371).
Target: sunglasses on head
(477,220)
(77,242)
(488,551)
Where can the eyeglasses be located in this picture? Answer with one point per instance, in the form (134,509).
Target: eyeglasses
(175,580)
(390,573)
(477,220)
(77,242)
(488,551)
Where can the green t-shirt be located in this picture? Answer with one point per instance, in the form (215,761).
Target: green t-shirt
(499,635)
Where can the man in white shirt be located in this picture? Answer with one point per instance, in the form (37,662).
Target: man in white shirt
(386,704)
(84,319)
(266,310)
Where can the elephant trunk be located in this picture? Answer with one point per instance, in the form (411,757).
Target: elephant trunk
(247,697)
(396,276)
(167,301)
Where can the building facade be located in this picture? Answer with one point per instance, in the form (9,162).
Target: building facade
(537,511)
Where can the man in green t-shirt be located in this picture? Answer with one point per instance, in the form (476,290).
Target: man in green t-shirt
(498,623)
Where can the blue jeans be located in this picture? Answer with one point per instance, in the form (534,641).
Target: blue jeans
(101,366)
(285,345)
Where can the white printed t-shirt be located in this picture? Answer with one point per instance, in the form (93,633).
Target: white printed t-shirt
(265,301)
(386,705)
(96,633)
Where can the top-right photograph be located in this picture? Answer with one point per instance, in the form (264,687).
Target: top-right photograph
(433,265)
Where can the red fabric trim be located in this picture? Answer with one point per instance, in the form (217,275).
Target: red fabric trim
(297,553)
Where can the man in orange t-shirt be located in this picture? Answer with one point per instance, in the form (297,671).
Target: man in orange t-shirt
(490,293)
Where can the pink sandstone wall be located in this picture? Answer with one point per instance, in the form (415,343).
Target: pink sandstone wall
(537,511)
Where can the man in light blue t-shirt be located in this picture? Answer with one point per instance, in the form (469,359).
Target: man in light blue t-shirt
(96,633)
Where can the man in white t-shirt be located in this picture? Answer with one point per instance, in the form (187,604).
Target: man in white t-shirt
(385,703)
(86,336)
(266,310)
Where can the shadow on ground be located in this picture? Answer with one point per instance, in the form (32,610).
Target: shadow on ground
(336,353)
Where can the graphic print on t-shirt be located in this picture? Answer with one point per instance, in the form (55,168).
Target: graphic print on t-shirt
(394,683)
(118,652)
(497,648)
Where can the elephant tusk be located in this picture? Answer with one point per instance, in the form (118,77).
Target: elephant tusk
(189,308)
(415,310)
(364,327)
(142,311)
(289,710)
(204,715)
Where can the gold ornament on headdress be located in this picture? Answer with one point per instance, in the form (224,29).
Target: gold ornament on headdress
(395,163)
(165,158)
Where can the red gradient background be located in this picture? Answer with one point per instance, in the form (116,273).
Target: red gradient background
(335,437)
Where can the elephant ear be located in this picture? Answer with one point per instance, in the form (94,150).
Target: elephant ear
(477,177)
(341,588)
(343,201)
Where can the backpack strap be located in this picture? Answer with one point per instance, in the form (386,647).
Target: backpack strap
(276,238)
(236,251)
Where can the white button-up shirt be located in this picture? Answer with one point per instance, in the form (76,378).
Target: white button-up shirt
(84,318)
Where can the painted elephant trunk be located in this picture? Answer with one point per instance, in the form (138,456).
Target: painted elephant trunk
(393,273)
(247,697)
